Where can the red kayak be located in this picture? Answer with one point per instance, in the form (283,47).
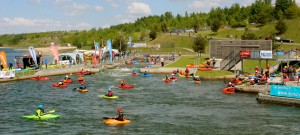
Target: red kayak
(40,78)
(60,86)
(166,80)
(134,74)
(84,73)
(173,79)
(229,90)
(67,81)
(126,86)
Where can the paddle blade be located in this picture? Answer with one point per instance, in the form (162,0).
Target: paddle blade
(51,111)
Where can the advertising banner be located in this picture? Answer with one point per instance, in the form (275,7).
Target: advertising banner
(266,54)
(7,74)
(285,91)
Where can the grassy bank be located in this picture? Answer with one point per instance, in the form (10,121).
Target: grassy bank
(249,65)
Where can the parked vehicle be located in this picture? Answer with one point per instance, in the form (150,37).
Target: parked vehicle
(285,40)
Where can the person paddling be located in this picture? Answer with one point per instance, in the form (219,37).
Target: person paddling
(60,83)
(122,82)
(109,92)
(83,86)
(172,77)
(187,71)
(167,78)
(40,111)
(145,73)
(120,116)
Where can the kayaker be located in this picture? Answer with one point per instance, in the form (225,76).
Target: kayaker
(80,78)
(83,86)
(181,72)
(167,78)
(120,116)
(109,93)
(173,76)
(60,83)
(122,82)
(187,71)
(197,78)
(145,73)
(67,77)
(230,85)
(40,111)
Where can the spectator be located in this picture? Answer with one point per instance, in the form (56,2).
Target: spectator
(46,63)
(162,61)
(10,66)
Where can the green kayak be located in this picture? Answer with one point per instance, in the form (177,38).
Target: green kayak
(44,117)
(104,96)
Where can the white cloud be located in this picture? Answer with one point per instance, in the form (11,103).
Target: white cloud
(24,25)
(71,8)
(99,8)
(139,9)
(204,5)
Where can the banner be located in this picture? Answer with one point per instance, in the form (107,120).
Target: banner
(108,43)
(285,91)
(7,74)
(33,54)
(3,59)
(130,41)
(54,51)
(266,54)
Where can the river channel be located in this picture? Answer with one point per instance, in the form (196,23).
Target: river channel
(154,107)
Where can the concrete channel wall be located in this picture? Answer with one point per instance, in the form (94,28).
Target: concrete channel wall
(263,98)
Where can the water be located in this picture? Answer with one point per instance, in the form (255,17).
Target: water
(154,107)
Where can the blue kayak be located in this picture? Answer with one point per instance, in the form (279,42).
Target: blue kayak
(252,77)
(146,75)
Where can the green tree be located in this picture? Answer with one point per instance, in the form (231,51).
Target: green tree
(153,34)
(292,11)
(76,43)
(248,35)
(199,45)
(120,42)
(281,27)
(216,25)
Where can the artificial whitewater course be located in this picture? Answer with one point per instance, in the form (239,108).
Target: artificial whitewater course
(152,106)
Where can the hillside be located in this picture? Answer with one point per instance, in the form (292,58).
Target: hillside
(169,43)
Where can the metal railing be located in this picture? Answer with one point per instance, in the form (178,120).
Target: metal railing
(230,61)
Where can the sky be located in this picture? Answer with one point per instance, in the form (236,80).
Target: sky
(29,16)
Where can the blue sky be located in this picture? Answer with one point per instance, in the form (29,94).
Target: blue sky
(27,16)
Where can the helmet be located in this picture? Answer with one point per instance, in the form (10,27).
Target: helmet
(119,109)
(67,76)
(229,82)
(40,106)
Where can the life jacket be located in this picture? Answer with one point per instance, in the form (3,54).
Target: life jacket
(41,111)
(110,94)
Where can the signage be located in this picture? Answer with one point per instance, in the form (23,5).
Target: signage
(285,91)
(7,74)
(266,54)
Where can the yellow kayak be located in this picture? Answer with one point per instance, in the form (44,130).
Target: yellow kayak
(189,76)
(82,90)
(112,121)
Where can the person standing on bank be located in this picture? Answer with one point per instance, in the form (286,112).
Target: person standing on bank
(162,61)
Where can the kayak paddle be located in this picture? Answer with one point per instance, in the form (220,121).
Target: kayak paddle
(51,111)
